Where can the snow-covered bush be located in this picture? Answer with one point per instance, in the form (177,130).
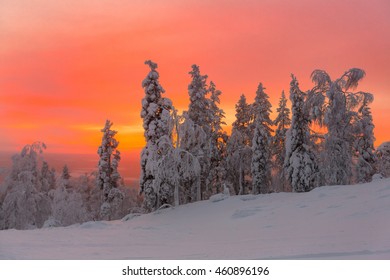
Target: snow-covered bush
(383,159)
(26,204)
(67,206)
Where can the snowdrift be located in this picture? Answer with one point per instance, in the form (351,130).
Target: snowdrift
(337,222)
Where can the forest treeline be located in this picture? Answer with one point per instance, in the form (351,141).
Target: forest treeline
(325,138)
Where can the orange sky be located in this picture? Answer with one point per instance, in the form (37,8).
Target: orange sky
(67,66)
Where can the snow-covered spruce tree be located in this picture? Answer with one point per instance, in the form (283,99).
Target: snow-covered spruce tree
(300,162)
(65,177)
(282,123)
(217,145)
(239,152)
(157,123)
(108,176)
(261,143)
(197,121)
(194,140)
(47,177)
(364,142)
(165,180)
(198,110)
(244,119)
(25,206)
(65,173)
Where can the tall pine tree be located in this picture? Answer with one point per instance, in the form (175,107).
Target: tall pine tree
(108,176)
(300,162)
(282,123)
(197,124)
(261,143)
(198,110)
(218,138)
(364,142)
(239,150)
(157,123)
(244,118)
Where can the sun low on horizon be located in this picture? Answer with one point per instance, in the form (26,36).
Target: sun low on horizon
(67,66)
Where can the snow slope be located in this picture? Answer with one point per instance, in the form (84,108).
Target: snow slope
(337,222)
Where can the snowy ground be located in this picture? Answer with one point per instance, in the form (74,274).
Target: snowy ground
(338,222)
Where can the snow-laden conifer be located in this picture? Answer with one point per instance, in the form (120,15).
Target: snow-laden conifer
(364,142)
(282,123)
(47,177)
(198,110)
(239,152)
(65,173)
(108,176)
(194,140)
(261,143)
(217,145)
(300,162)
(157,123)
(197,124)
(238,161)
(216,114)
(65,177)
(244,118)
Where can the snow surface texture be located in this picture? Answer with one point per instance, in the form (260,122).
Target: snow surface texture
(337,222)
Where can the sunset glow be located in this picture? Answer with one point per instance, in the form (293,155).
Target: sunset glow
(67,66)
